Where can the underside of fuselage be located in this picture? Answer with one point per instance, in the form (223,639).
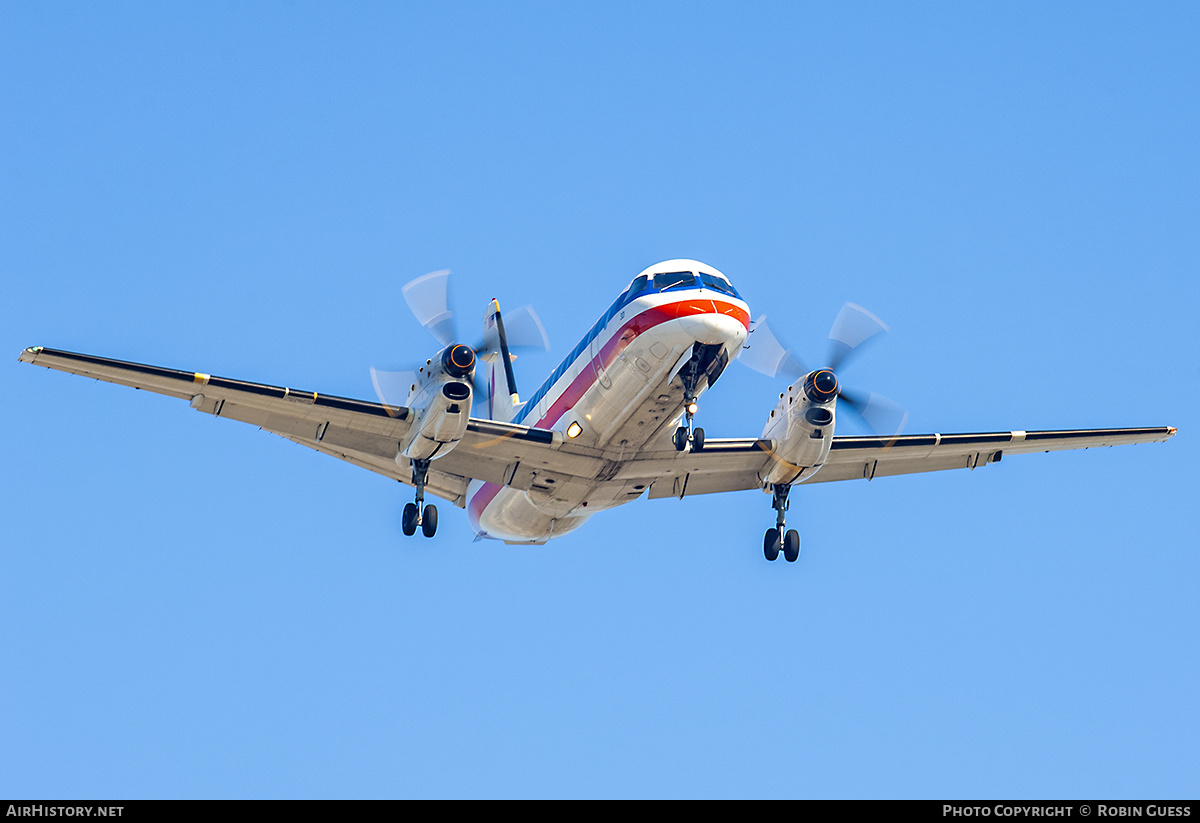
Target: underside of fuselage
(620,390)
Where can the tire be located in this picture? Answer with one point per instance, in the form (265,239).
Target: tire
(409,521)
(680,439)
(771,544)
(791,546)
(429,521)
(697,440)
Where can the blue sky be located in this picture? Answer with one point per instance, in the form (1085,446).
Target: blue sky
(194,608)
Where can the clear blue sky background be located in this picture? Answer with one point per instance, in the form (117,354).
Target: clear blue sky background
(194,608)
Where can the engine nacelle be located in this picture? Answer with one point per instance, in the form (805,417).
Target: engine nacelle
(801,428)
(440,402)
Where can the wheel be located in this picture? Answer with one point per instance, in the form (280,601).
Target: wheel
(429,521)
(697,440)
(771,544)
(409,521)
(680,439)
(791,545)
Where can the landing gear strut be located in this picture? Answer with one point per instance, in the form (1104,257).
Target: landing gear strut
(413,516)
(686,433)
(776,538)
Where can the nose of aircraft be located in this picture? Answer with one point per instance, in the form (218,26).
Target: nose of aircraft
(714,327)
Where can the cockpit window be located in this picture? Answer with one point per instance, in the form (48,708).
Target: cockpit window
(674,279)
(638,286)
(679,280)
(718,283)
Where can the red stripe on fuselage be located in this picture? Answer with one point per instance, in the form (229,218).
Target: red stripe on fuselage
(636,325)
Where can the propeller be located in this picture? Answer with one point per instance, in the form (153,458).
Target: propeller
(428,297)
(393,387)
(853,327)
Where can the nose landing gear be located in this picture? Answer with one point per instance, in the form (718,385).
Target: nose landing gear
(413,516)
(777,538)
(686,433)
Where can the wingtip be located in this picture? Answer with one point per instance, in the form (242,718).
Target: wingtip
(29,354)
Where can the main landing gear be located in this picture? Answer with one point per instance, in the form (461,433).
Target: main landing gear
(413,516)
(776,538)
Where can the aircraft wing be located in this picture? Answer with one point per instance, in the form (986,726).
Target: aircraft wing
(360,432)
(367,434)
(733,465)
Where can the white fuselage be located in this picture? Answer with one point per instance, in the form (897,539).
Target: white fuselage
(621,385)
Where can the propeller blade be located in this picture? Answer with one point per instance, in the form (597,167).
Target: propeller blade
(765,354)
(881,415)
(427,297)
(852,327)
(523,329)
(393,387)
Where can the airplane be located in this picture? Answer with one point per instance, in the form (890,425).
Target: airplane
(613,423)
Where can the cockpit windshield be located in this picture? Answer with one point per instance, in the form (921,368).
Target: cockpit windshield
(680,280)
(674,280)
(718,283)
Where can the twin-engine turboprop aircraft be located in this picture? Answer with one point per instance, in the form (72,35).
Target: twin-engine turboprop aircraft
(615,420)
